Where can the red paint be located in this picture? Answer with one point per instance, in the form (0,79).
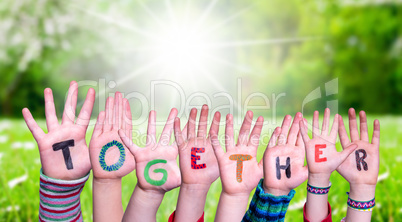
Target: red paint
(318,152)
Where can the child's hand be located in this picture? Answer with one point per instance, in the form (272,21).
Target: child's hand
(283,159)
(360,169)
(362,166)
(156,165)
(239,169)
(198,164)
(322,157)
(109,157)
(63,150)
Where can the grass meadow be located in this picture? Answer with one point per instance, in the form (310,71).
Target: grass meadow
(20,164)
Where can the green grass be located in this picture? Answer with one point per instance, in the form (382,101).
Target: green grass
(21,202)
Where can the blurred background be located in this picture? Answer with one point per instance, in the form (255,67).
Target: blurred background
(273,57)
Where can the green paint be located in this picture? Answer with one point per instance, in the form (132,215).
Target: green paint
(146,173)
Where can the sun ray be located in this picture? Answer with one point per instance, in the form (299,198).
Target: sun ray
(169,9)
(113,21)
(205,14)
(227,63)
(151,13)
(139,71)
(229,19)
(264,42)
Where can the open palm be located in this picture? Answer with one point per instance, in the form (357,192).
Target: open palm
(156,165)
(239,168)
(109,161)
(71,160)
(282,147)
(205,169)
(349,169)
(322,156)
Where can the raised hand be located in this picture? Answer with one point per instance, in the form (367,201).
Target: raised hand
(361,168)
(63,150)
(198,165)
(322,160)
(322,157)
(283,159)
(156,168)
(239,169)
(165,174)
(109,157)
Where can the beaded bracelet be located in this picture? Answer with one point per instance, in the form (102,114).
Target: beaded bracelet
(361,205)
(318,190)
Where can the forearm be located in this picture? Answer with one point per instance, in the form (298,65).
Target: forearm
(317,204)
(107,204)
(143,205)
(268,207)
(231,207)
(360,193)
(191,202)
(60,199)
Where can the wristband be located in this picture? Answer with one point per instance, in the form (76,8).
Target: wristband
(318,190)
(361,205)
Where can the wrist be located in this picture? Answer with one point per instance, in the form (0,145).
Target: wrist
(362,192)
(103,181)
(276,191)
(236,196)
(196,189)
(319,180)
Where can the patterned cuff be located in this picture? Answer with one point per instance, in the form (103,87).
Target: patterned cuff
(267,207)
(60,199)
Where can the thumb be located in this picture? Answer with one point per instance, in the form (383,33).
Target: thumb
(347,151)
(216,145)
(128,142)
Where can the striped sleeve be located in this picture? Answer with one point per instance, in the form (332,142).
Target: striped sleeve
(267,207)
(60,199)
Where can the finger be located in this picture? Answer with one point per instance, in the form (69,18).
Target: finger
(325,123)
(299,141)
(178,133)
(343,135)
(109,114)
(294,129)
(128,126)
(245,129)
(71,104)
(216,145)
(167,130)
(376,133)
(334,130)
(50,111)
(363,126)
(191,123)
(354,133)
(99,125)
(36,131)
(151,132)
(316,124)
(303,131)
(203,122)
(346,152)
(229,134)
(118,111)
(254,139)
(183,133)
(85,114)
(215,123)
(128,142)
(284,130)
(274,138)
